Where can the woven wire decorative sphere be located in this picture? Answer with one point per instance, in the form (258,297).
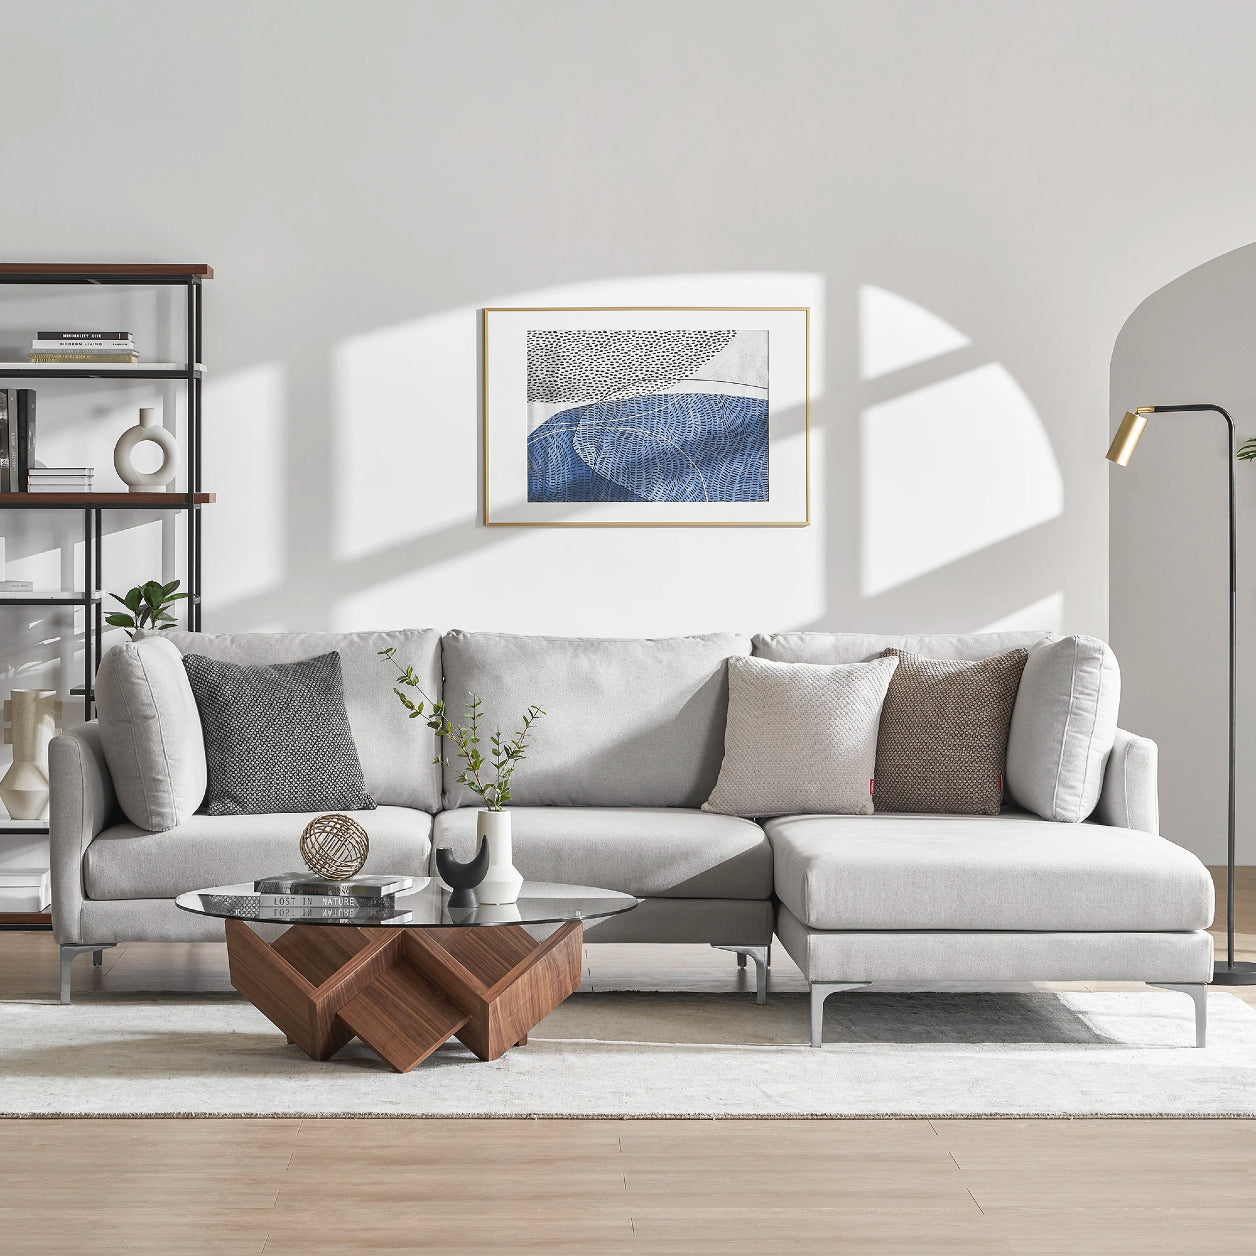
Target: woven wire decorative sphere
(334,846)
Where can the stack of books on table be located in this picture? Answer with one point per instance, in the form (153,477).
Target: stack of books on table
(60,479)
(84,347)
(364,899)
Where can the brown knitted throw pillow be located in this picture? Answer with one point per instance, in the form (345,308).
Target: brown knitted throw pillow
(942,745)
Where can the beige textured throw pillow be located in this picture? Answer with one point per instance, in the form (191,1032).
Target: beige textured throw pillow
(943,740)
(801,738)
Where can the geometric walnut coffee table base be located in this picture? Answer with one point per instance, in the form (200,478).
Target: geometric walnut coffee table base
(405,991)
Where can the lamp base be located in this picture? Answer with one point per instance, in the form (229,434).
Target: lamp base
(1240,973)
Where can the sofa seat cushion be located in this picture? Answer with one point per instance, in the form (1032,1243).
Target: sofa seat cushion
(1008,872)
(127,862)
(651,852)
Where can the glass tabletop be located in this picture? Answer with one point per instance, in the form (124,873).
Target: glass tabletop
(424,905)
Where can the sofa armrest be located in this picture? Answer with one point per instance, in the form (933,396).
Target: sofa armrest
(1129,799)
(82,804)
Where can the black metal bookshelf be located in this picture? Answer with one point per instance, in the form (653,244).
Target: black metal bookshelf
(93,505)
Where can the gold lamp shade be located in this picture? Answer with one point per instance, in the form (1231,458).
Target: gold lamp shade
(1126,439)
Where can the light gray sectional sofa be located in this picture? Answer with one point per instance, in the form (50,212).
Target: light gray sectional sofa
(610,795)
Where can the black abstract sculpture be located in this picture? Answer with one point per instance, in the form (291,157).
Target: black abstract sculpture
(462,878)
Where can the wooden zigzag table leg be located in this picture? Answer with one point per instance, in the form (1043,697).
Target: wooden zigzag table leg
(501,976)
(405,991)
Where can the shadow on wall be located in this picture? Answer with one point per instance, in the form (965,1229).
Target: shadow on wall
(401,496)
(952,460)
(953,455)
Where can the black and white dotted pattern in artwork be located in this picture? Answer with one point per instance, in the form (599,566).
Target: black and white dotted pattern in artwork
(604,365)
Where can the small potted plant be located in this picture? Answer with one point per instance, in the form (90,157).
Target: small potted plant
(486,777)
(147,608)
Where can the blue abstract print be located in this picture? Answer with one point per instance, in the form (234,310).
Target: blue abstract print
(673,447)
(648,416)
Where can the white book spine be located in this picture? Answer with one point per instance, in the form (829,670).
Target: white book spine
(339,902)
(297,914)
(82,346)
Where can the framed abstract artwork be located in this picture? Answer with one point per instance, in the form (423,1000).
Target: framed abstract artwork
(647,417)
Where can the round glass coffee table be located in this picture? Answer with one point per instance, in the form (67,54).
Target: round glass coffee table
(410,979)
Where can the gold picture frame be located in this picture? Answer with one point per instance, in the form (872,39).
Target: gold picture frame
(503,353)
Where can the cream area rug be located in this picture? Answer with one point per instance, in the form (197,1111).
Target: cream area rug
(650,1054)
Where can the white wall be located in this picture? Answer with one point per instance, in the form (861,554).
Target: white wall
(364,177)
(1189,342)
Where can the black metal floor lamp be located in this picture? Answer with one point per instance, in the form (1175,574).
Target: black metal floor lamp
(1233,972)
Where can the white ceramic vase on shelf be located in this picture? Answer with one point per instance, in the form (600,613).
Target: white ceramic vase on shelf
(502,883)
(147,429)
(31,717)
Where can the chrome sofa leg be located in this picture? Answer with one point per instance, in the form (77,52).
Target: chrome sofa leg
(820,990)
(69,950)
(762,956)
(1199,995)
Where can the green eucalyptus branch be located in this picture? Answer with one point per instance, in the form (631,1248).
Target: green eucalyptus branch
(504,755)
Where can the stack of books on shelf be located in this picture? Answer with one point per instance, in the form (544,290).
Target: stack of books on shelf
(60,479)
(84,348)
(364,899)
(17,438)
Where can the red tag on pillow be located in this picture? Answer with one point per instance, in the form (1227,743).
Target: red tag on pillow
(872,784)
(1000,782)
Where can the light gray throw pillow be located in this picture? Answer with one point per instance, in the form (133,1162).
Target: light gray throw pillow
(801,738)
(151,733)
(1063,727)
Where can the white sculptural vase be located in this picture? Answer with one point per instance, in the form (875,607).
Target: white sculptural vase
(502,883)
(147,429)
(31,717)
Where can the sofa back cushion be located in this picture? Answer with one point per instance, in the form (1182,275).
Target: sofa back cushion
(1063,728)
(397,753)
(150,733)
(859,647)
(628,723)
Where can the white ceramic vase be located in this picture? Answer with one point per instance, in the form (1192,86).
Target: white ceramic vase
(148,428)
(31,717)
(502,883)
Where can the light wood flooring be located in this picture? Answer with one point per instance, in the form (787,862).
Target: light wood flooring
(222,1187)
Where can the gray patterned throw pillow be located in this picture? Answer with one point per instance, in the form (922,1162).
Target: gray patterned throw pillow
(942,746)
(277,738)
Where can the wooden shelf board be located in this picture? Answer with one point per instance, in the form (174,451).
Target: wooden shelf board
(101,370)
(106,268)
(30,828)
(49,597)
(25,919)
(106,501)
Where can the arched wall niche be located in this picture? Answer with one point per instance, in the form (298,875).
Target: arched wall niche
(1190,341)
